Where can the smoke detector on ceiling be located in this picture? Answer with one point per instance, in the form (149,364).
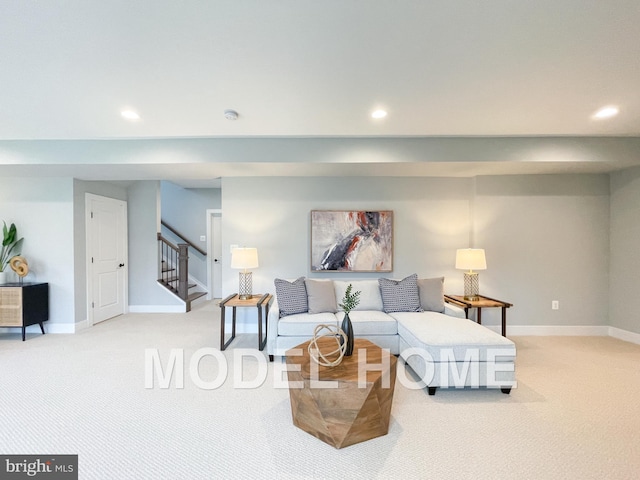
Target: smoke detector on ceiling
(230,114)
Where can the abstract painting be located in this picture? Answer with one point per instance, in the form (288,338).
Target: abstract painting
(351,241)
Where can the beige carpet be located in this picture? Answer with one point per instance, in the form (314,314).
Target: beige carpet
(574,415)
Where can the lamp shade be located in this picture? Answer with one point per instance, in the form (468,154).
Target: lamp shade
(244,258)
(471,259)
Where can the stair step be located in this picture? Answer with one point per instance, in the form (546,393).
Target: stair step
(168,286)
(195,295)
(175,279)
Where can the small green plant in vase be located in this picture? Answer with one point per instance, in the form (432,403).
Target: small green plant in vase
(11,246)
(349,302)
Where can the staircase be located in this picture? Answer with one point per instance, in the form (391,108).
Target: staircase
(174,268)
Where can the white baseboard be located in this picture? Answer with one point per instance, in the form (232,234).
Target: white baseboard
(556,330)
(157,308)
(82,325)
(625,335)
(57,328)
(48,328)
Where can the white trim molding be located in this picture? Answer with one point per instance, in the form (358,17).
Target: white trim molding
(157,308)
(82,325)
(48,328)
(569,330)
(625,335)
(558,330)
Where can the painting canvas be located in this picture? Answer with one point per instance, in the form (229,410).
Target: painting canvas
(351,241)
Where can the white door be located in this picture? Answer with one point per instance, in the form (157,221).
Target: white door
(214,253)
(107,257)
(216,233)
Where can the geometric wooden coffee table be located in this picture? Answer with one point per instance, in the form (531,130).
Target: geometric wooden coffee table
(352,411)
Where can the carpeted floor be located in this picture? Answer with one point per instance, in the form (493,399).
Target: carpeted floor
(574,415)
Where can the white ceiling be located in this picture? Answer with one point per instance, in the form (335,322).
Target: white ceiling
(301,68)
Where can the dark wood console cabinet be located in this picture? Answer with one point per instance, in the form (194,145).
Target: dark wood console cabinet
(24,304)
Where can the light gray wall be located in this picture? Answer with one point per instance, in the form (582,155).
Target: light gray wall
(625,259)
(185,210)
(42,209)
(431,220)
(427,226)
(273,214)
(546,238)
(143,222)
(80,188)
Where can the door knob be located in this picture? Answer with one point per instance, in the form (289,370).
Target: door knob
(121,265)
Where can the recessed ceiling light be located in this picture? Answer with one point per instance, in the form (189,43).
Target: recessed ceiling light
(130,115)
(606,112)
(379,114)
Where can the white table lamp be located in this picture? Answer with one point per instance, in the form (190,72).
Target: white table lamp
(471,259)
(244,258)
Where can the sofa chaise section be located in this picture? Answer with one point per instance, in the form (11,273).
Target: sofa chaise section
(455,352)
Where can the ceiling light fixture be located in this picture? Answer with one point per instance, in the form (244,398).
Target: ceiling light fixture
(379,114)
(606,112)
(130,115)
(231,115)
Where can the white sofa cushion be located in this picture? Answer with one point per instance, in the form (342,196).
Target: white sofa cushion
(370,322)
(370,298)
(441,334)
(303,324)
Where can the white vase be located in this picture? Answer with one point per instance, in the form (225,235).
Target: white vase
(4,277)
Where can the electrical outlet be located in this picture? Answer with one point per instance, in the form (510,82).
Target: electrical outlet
(555,305)
(203,238)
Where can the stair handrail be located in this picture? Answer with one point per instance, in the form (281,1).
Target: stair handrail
(168,242)
(186,240)
(176,257)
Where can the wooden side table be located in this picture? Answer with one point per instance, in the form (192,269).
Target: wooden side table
(480,303)
(262,302)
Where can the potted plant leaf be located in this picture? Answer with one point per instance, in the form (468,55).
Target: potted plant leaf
(11,246)
(349,302)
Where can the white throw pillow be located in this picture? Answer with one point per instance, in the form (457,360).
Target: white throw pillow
(370,298)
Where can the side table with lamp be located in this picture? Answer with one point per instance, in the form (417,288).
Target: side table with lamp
(474,259)
(245,258)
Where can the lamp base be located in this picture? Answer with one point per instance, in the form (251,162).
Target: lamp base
(471,286)
(245,287)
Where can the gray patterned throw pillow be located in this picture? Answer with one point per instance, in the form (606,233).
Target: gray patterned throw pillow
(292,296)
(400,295)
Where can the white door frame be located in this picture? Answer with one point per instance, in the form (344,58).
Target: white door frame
(88,252)
(210,213)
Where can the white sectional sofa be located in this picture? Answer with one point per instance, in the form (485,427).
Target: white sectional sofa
(409,317)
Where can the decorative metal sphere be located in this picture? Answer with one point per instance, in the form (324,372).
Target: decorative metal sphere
(321,358)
